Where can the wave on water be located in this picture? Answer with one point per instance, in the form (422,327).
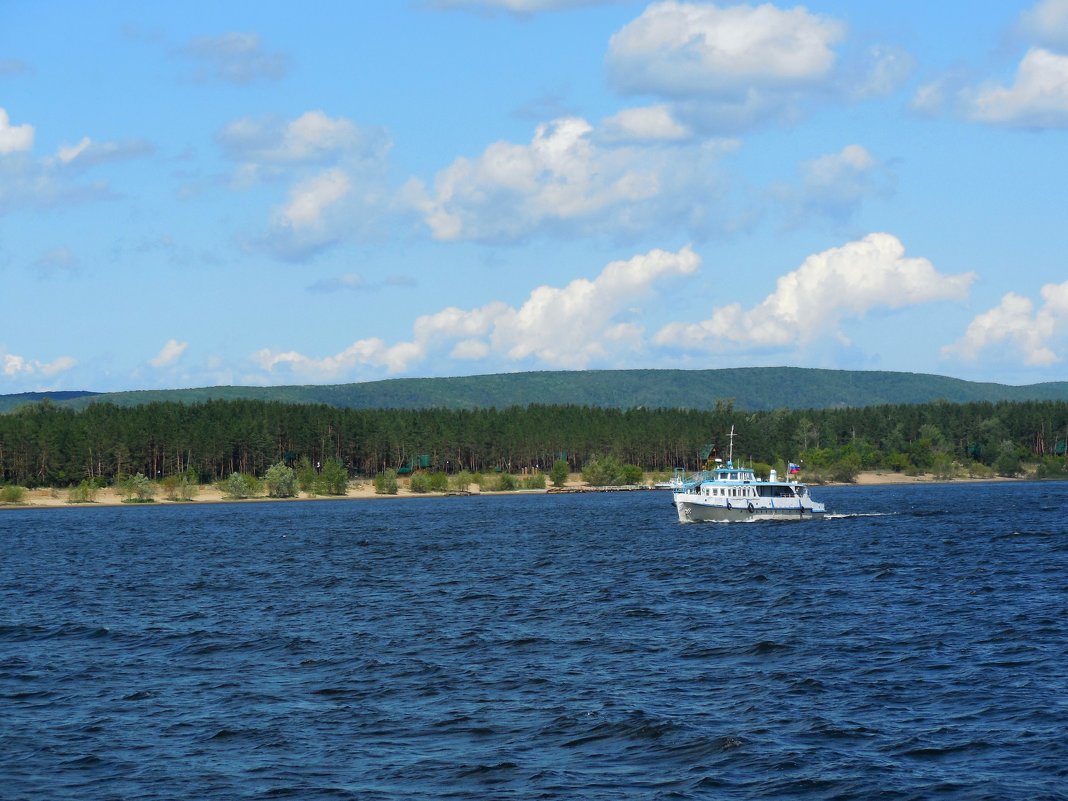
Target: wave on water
(585,646)
(853,515)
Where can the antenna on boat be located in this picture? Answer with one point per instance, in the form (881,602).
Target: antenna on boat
(730,449)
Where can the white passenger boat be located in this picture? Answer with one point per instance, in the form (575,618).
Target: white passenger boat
(728,494)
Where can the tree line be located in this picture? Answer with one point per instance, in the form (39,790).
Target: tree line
(46,445)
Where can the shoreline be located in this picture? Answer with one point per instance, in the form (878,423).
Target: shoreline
(207,494)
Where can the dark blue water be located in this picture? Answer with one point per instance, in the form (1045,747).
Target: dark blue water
(539,647)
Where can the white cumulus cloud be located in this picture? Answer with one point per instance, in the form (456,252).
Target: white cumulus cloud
(648,123)
(68,154)
(835,185)
(572,326)
(728,67)
(87,153)
(312,219)
(14,138)
(14,365)
(235,57)
(882,71)
(810,302)
(1037,98)
(169,353)
(27,181)
(262,144)
(697,48)
(587,310)
(725,68)
(372,352)
(568,180)
(336,171)
(1015,326)
(308,200)
(1047,24)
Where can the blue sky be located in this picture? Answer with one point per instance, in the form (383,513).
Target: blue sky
(278,193)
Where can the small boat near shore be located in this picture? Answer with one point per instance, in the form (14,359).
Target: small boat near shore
(677,481)
(730,494)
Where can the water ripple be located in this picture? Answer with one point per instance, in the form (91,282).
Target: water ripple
(569,646)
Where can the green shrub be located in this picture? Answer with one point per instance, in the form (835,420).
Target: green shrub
(429,482)
(599,472)
(240,486)
(559,472)
(943,467)
(464,479)
(607,471)
(137,489)
(11,493)
(534,481)
(505,482)
(333,478)
(306,475)
(897,462)
(1052,467)
(844,470)
(83,493)
(281,481)
(180,486)
(386,482)
(1008,462)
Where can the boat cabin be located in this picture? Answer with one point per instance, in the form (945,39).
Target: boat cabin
(732,482)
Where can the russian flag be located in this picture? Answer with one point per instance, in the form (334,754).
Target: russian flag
(794,468)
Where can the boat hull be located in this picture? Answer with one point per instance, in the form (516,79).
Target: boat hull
(695,511)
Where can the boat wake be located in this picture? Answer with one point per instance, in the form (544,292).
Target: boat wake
(845,516)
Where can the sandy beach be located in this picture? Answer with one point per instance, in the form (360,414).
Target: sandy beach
(207,493)
(48,498)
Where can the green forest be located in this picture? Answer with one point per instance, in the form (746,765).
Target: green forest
(43,444)
(750,388)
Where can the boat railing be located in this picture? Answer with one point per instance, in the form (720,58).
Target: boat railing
(691,482)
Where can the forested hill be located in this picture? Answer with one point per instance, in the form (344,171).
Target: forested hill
(8,402)
(748,388)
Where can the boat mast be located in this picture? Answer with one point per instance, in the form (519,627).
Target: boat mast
(730,449)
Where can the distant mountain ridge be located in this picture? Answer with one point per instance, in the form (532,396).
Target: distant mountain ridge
(9,402)
(752,389)
(748,388)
